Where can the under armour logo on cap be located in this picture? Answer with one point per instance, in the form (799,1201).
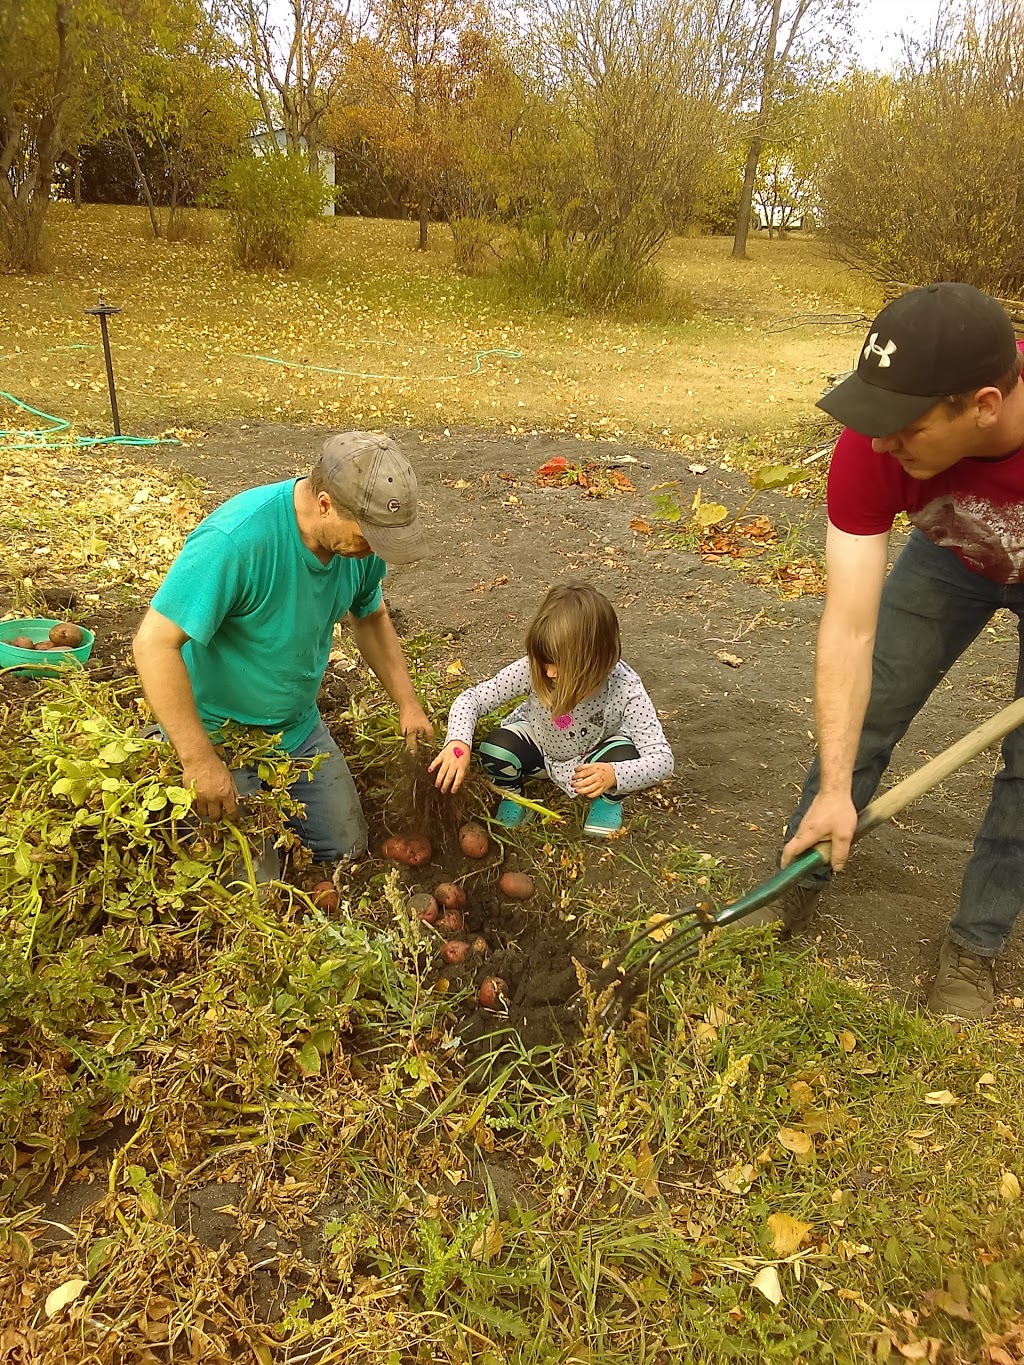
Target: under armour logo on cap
(941,339)
(882,352)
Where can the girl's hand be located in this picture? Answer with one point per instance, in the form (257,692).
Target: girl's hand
(453,763)
(593,779)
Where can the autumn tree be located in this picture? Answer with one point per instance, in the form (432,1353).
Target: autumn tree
(54,60)
(923,180)
(407,73)
(182,102)
(792,158)
(294,56)
(790,41)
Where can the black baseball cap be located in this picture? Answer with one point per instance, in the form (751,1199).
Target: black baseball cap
(927,344)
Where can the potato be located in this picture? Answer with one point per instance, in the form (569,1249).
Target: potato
(451,922)
(423,906)
(45,644)
(479,946)
(473,840)
(449,895)
(66,633)
(492,992)
(455,951)
(419,848)
(21,642)
(517,886)
(325,896)
(412,849)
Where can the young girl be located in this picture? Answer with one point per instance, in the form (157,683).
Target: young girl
(586,719)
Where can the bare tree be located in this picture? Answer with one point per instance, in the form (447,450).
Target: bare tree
(294,58)
(783,35)
(640,101)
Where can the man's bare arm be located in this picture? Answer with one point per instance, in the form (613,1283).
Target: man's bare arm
(381,648)
(157,647)
(856,567)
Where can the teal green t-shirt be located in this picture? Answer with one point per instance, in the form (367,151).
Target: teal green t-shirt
(259,609)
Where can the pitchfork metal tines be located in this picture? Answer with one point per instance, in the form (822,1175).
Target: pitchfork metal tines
(672,940)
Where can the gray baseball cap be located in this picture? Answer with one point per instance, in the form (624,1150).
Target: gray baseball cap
(368,474)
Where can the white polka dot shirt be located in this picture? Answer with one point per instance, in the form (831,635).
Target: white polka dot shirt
(620,707)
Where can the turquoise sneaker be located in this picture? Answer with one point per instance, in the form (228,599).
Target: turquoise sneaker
(603,819)
(511,814)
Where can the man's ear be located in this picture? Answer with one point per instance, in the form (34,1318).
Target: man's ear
(989,405)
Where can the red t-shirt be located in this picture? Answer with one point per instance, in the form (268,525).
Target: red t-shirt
(976,508)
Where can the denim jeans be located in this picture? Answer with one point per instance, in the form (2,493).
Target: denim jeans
(932,608)
(332,825)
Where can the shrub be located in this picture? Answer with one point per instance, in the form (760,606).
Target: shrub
(923,181)
(271,201)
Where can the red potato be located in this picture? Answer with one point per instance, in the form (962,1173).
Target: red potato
(451,922)
(411,849)
(473,840)
(423,906)
(21,642)
(517,886)
(66,634)
(455,951)
(419,848)
(325,896)
(449,895)
(492,992)
(479,946)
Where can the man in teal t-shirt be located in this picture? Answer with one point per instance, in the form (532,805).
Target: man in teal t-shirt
(240,630)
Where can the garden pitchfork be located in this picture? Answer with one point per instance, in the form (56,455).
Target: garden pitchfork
(675,939)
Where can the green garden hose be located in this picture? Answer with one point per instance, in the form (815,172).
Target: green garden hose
(26,438)
(479,357)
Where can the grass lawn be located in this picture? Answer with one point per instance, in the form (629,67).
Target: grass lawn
(235,1127)
(736,347)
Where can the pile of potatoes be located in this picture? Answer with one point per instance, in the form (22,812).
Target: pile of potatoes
(444,908)
(64,635)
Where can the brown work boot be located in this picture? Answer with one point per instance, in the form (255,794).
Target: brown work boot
(965,985)
(794,910)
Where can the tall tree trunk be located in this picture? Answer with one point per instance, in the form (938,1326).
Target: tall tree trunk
(78,181)
(143,184)
(172,217)
(22,220)
(739,244)
(424,220)
(24,202)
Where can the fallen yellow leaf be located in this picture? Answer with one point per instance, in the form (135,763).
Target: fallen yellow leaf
(63,1295)
(1009,1187)
(766,1282)
(799,1143)
(788,1234)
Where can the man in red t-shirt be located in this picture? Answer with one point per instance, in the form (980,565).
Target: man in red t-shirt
(934,418)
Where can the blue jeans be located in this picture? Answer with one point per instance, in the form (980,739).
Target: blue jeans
(932,608)
(332,825)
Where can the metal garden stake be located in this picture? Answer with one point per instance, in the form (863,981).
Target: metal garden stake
(103,311)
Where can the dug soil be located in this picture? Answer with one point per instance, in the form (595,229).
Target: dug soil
(728,661)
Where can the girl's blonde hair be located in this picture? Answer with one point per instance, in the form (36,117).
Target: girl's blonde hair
(577,631)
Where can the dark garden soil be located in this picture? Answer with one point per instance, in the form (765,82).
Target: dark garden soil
(740,727)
